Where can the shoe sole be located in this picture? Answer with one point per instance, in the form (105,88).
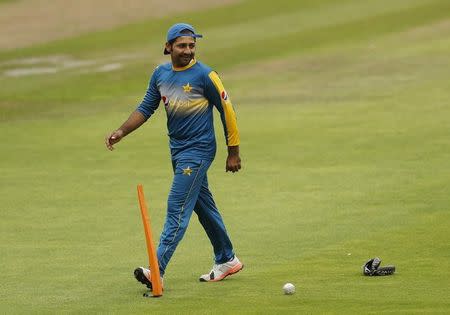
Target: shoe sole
(139,275)
(231,272)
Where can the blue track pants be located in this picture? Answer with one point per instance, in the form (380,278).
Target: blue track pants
(190,192)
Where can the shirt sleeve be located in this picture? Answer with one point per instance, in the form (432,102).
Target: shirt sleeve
(216,94)
(151,99)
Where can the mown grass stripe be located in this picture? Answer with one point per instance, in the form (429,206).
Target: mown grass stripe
(341,34)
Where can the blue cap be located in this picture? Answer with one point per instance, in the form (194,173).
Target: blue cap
(176,31)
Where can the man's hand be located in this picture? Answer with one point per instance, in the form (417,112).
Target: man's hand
(113,138)
(233,160)
(133,122)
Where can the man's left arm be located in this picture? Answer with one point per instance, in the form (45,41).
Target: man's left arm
(216,94)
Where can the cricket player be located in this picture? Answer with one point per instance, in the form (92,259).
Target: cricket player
(189,90)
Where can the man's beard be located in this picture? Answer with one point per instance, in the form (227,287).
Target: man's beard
(185,59)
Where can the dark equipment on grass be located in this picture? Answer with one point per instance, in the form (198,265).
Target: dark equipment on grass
(372,268)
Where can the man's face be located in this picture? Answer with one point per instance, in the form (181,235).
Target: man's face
(182,51)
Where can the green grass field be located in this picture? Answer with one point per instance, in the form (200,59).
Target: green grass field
(344,113)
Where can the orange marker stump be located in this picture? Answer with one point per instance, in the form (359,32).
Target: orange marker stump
(152,258)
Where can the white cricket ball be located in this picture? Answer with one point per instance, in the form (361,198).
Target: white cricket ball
(289,289)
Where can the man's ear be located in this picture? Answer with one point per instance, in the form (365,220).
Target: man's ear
(169,47)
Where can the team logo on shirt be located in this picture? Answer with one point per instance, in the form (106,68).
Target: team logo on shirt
(187,88)
(224,95)
(165,101)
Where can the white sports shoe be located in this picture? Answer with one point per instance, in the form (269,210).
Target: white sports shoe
(143,276)
(220,271)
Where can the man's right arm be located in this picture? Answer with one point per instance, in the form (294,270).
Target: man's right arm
(147,107)
(133,122)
